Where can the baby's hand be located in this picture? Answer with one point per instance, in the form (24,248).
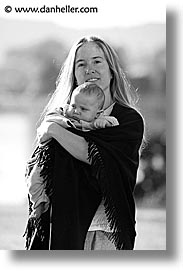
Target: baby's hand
(38,211)
(101,123)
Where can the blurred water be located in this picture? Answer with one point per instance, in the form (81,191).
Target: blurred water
(14,150)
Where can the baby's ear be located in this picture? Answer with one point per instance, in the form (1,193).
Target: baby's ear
(99,113)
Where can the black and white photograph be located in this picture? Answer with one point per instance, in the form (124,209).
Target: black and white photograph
(111,182)
(83,126)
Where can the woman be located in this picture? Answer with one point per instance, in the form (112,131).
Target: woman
(94,173)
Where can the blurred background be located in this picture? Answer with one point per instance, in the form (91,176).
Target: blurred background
(32,51)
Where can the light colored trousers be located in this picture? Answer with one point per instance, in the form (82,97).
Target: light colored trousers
(97,240)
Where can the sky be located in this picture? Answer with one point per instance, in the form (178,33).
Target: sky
(109,13)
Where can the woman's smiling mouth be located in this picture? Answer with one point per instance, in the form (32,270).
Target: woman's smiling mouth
(92,79)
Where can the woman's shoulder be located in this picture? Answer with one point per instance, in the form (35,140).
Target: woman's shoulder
(129,117)
(125,112)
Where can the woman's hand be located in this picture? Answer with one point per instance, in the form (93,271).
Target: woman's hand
(44,131)
(58,119)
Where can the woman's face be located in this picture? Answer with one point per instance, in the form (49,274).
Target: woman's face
(91,66)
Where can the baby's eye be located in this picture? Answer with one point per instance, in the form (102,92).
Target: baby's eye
(83,109)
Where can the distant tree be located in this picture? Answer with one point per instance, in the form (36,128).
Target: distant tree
(153,169)
(121,52)
(159,70)
(51,55)
(32,71)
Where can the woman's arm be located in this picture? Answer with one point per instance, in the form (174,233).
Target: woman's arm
(74,144)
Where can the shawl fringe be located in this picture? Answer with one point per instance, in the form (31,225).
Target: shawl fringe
(110,210)
(46,162)
(33,227)
(44,157)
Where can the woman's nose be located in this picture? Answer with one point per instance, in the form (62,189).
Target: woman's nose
(90,70)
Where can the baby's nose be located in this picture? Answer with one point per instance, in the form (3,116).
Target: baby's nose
(76,111)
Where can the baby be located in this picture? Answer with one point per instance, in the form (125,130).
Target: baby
(85,109)
(85,113)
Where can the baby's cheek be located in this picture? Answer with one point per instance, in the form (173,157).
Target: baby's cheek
(70,112)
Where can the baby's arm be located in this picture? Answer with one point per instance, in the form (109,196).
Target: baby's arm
(105,121)
(37,193)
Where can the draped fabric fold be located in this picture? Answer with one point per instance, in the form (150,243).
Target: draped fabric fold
(76,189)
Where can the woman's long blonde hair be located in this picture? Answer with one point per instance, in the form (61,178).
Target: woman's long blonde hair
(121,89)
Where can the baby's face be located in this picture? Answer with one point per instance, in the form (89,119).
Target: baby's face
(83,107)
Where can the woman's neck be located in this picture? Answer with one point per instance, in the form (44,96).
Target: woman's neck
(108,100)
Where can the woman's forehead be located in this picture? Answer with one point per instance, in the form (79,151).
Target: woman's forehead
(89,50)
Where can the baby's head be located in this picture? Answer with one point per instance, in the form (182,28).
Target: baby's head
(86,102)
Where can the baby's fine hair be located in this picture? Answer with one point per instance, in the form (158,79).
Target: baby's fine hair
(92,89)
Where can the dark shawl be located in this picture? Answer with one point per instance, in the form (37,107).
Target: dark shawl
(76,188)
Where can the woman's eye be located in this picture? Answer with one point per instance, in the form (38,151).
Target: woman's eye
(97,61)
(80,65)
